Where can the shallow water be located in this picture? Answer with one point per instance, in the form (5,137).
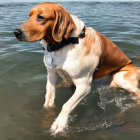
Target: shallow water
(105,113)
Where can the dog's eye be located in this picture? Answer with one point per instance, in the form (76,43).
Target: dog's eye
(40,18)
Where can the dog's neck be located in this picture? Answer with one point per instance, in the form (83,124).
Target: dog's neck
(79,26)
(75,33)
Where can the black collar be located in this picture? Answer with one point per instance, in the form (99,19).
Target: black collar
(64,42)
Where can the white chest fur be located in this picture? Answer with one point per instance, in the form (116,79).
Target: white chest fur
(72,59)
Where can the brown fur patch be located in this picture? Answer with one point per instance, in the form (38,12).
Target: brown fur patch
(89,40)
(130,67)
(112,58)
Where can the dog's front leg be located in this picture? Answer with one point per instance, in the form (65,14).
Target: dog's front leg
(61,121)
(50,89)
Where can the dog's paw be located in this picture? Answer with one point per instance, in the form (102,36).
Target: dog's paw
(59,126)
(49,106)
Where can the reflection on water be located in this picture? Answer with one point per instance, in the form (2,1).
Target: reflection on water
(104,114)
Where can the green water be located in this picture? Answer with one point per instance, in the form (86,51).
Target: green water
(106,114)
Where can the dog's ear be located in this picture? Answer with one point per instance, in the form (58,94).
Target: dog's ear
(63,25)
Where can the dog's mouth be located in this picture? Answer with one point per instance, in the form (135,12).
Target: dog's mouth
(20,35)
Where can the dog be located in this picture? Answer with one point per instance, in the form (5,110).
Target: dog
(77,53)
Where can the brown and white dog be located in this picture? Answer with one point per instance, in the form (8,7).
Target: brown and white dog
(92,57)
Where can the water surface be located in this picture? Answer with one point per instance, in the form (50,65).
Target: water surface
(106,114)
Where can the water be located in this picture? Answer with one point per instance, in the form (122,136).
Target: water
(105,113)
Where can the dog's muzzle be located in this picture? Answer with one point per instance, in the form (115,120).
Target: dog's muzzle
(19,34)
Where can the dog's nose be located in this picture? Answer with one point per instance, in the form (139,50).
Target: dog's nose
(18,33)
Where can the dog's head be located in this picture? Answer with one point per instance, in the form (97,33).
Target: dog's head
(48,21)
